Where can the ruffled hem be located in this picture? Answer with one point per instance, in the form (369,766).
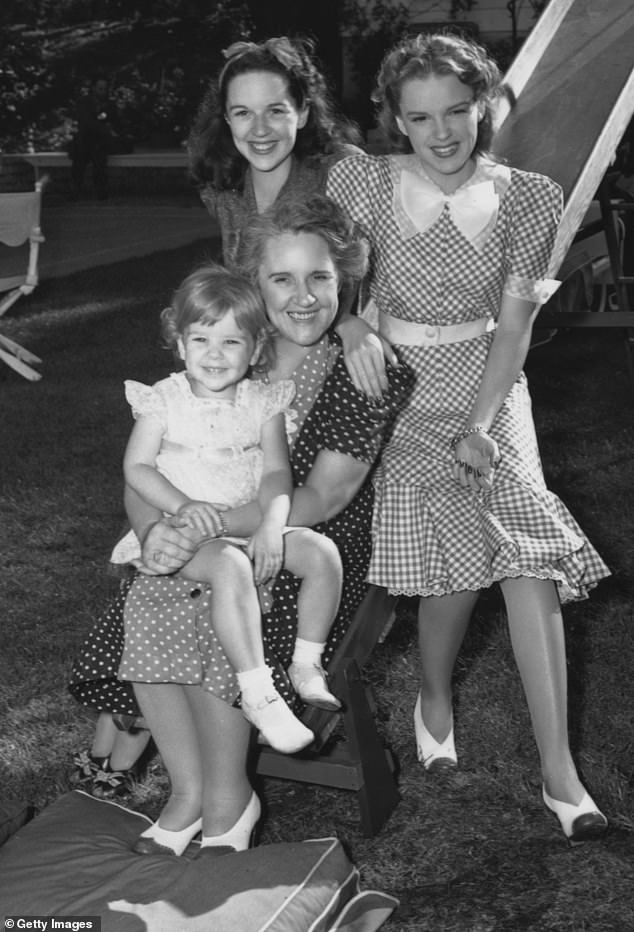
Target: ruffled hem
(565,592)
(444,541)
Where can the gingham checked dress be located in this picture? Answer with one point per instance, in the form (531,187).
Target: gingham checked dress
(440,260)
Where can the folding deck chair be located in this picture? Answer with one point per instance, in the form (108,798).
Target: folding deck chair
(19,225)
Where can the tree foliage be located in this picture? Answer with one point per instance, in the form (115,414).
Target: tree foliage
(373,27)
(157,55)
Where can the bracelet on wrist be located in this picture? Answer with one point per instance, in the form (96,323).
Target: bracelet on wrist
(476,429)
(223,524)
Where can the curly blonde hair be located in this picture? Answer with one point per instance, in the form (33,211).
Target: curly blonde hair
(206,295)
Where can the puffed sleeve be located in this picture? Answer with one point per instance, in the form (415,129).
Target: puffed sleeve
(536,217)
(349,186)
(146,401)
(355,424)
(276,399)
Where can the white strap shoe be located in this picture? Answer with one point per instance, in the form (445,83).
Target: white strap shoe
(309,682)
(435,757)
(276,723)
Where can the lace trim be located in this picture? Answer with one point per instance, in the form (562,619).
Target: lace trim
(567,593)
(529,289)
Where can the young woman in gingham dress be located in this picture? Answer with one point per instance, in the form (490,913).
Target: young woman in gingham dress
(461,248)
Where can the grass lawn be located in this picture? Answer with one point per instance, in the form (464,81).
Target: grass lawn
(471,852)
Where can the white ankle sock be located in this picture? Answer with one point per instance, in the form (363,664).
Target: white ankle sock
(256,683)
(308,652)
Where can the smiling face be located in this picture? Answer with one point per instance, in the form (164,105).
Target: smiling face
(299,283)
(264,120)
(217,356)
(440,117)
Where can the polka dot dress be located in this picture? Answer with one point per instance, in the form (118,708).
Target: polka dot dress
(176,641)
(430,536)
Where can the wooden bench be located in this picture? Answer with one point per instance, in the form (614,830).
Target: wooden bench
(357,759)
(150,158)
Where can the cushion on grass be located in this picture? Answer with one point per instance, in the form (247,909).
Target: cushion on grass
(75,858)
(12,816)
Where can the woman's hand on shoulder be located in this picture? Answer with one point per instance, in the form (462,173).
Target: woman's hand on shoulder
(365,353)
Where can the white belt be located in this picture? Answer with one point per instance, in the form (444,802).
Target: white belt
(408,333)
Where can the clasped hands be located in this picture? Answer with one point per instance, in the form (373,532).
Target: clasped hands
(173,540)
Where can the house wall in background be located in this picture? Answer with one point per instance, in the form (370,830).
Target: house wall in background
(489,21)
(491,18)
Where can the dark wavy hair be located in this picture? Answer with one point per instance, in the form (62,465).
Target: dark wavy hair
(316,214)
(213,158)
(438,54)
(206,295)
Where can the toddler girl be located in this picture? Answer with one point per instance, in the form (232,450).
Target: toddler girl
(210,438)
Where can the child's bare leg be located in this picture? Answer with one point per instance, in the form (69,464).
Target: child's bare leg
(235,611)
(315,559)
(234,603)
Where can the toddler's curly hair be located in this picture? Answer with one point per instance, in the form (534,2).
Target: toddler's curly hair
(206,295)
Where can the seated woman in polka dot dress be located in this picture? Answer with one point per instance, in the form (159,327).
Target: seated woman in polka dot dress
(208,438)
(301,255)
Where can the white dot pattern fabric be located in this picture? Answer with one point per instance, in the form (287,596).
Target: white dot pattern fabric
(430,537)
(175,628)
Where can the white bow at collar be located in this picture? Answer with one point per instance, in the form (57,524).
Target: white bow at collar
(473,208)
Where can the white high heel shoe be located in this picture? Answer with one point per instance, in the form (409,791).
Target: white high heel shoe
(157,840)
(436,757)
(579,823)
(241,835)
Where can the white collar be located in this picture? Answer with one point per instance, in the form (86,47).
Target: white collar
(473,207)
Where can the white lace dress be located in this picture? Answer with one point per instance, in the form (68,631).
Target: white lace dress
(211,446)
